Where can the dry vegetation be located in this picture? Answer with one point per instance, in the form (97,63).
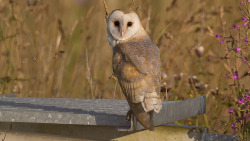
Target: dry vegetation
(60,49)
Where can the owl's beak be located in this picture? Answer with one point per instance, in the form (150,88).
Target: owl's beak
(122,31)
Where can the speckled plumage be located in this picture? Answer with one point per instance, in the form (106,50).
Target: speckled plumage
(136,64)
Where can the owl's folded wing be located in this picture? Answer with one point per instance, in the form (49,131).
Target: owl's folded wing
(144,55)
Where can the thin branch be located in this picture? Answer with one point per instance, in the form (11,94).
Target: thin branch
(106,10)
(116,82)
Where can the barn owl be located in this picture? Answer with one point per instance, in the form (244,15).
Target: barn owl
(136,65)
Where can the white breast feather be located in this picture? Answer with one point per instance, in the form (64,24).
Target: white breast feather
(112,42)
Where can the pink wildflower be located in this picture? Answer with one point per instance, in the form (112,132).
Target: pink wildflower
(237,49)
(246,40)
(233,126)
(235,76)
(241,101)
(235,26)
(247,96)
(230,111)
(244,19)
(244,60)
(217,36)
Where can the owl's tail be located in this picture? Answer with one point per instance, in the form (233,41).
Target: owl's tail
(145,118)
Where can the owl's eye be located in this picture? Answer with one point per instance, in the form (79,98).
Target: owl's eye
(116,23)
(130,23)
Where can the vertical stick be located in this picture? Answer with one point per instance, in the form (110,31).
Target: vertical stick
(115,88)
(106,10)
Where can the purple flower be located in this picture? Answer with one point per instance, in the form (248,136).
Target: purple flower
(230,111)
(241,101)
(237,49)
(246,40)
(217,36)
(221,41)
(242,2)
(246,104)
(247,96)
(227,76)
(242,115)
(235,26)
(233,126)
(238,119)
(235,76)
(243,18)
(245,24)
(244,60)
(248,0)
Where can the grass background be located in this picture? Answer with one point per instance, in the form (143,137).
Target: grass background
(60,49)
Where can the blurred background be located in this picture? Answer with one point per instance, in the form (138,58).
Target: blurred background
(60,49)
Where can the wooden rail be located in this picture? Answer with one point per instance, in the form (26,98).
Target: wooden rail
(94,119)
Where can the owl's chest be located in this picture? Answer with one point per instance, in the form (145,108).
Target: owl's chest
(123,67)
(121,62)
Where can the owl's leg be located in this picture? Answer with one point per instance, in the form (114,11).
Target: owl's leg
(129,117)
(151,113)
(131,123)
(129,114)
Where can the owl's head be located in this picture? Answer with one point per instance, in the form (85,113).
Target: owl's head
(123,24)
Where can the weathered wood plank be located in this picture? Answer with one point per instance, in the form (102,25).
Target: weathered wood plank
(104,112)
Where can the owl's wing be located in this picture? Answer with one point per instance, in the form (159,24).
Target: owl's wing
(137,66)
(140,77)
(144,55)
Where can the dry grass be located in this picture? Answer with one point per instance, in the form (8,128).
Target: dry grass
(60,48)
